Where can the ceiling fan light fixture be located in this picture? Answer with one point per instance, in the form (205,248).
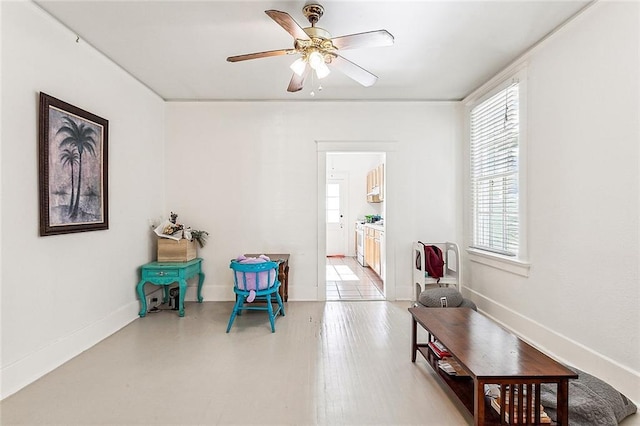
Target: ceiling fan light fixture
(322,70)
(299,66)
(316,59)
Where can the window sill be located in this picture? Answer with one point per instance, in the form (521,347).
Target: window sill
(504,263)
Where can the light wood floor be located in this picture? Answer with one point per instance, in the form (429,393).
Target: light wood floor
(328,363)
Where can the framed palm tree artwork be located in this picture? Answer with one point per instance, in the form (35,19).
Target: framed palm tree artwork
(73,169)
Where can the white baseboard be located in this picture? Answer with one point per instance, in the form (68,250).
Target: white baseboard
(560,347)
(219,293)
(210,293)
(21,373)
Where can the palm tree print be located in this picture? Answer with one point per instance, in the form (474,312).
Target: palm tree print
(70,158)
(80,137)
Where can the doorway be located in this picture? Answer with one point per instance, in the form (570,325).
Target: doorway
(389,149)
(347,204)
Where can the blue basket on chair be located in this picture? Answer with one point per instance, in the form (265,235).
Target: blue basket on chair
(257,281)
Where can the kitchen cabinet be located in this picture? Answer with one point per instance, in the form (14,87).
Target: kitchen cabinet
(380,169)
(373,249)
(376,252)
(368,245)
(383,266)
(371,183)
(375,185)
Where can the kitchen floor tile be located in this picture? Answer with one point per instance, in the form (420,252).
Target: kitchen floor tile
(348,280)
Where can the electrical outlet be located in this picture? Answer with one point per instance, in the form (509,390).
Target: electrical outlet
(152,302)
(153,298)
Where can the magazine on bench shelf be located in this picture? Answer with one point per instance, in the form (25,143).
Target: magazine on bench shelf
(439,349)
(451,367)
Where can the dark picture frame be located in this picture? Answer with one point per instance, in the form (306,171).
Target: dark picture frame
(73,169)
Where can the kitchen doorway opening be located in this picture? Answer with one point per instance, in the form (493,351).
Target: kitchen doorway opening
(347,280)
(354,223)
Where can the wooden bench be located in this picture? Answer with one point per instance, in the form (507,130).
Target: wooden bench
(491,355)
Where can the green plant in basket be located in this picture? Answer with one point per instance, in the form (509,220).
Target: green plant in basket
(199,236)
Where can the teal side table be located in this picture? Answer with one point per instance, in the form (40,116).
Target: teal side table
(167,273)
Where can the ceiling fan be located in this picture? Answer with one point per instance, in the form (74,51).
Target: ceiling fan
(318,49)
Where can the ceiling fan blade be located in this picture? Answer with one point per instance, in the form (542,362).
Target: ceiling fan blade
(354,71)
(297,81)
(378,38)
(258,55)
(288,23)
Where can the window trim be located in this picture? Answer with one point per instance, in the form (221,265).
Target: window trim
(499,261)
(515,264)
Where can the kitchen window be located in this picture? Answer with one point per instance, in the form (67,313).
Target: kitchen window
(333,203)
(496,177)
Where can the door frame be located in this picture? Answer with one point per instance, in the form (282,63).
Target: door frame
(386,147)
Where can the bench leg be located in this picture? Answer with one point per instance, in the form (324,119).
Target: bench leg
(478,403)
(563,402)
(414,345)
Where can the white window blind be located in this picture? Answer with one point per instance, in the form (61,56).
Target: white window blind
(495,129)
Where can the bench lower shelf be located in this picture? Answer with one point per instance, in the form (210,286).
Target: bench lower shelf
(461,386)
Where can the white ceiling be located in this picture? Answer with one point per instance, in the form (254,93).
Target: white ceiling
(443,49)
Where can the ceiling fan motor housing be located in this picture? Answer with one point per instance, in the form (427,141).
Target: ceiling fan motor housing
(313,12)
(320,41)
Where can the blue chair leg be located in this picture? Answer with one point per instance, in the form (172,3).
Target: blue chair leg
(236,309)
(241,305)
(279,299)
(271,316)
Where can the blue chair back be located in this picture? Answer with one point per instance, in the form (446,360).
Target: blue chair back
(260,277)
(256,282)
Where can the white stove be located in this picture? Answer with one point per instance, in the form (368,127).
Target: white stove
(360,243)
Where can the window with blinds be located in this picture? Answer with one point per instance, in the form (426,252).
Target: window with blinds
(494,152)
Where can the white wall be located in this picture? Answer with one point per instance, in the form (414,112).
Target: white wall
(62,294)
(581,299)
(252,180)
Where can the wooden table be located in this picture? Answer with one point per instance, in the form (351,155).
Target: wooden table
(283,271)
(167,273)
(491,355)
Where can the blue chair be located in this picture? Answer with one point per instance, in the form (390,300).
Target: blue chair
(259,280)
